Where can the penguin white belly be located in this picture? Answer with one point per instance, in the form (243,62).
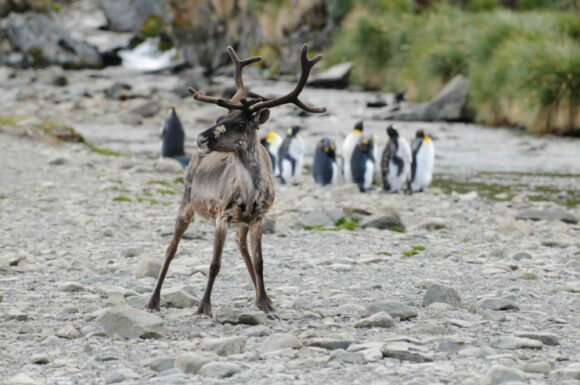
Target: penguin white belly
(369,173)
(395,180)
(296,152)
(286,171)
(334,173)
(425,159)
(350,142)
(274,151)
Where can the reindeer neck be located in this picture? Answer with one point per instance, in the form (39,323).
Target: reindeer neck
(250,158)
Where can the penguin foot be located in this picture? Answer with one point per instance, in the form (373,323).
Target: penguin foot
(204,308)
(153,304)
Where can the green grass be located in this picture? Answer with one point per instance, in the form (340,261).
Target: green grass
(178,180)
(523,67)
(122,198)
(385,253)
(410,253)
(341,224)
(398,229)
(103,151)
(3,196)
(161,182)
(418,248)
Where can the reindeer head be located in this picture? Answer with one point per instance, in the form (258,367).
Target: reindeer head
(236,131)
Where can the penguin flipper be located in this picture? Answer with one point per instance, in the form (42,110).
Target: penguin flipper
(183,159)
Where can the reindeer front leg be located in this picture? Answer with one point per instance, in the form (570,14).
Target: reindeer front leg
(262,301)
(221,228)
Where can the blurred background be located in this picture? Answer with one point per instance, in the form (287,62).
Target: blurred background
(105,72)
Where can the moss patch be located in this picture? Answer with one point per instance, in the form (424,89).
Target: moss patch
(122,198)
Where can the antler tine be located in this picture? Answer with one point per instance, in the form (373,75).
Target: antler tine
(305,67)
(198,95)
(239,64)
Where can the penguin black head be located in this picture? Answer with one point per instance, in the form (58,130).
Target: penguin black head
(328,146)
(420,134)
(293,131)
(392,132)
(365,144)
(358,125)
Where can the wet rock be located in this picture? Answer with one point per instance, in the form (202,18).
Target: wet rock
(509,342)
(179,297)
(497,304)
(147,110)
(128,322)
(381,319)
(376,101)
(233,317)
(347,357)
(499,374)
(224,346)
(279,342)
(441,293)
(12,313)
(547,215)
(521,255)
(191,362)
(147,268)
(383,221)
(318,217)
(219,369)
(546,338)
(40,359)
(42,41)
(334,77)
(537,367)
(395,309)
(405,351)
(129,15)
(328,343)
(68,331)
(161,364)
(120,375)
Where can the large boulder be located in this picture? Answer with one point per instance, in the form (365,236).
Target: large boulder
(334,77)
(35,39)
(129,15)
(449,105)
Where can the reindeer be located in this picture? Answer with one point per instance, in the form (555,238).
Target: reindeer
(229,180)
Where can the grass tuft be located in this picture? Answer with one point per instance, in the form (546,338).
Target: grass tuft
(122,198)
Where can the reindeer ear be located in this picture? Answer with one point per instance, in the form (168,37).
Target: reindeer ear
(262,116)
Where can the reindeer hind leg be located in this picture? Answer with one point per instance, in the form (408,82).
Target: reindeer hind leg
(242,241)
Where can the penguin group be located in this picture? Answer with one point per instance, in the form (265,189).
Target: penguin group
(403,167)
(172,139)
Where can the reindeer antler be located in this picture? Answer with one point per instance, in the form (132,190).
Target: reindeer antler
(251,102)
(305,66)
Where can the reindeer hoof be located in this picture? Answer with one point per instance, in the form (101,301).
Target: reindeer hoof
(204,309)
(265,304)
(153,304)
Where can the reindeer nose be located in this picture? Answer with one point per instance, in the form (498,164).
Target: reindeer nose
(202,142)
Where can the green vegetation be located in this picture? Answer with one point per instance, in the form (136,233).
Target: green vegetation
(341,224)
(179,179)
(386,253)
(523,67)
(418,248)
(414,251)
(122,198)
(161,182)
(398,229)
(167,191)
(103,151)
(3,196)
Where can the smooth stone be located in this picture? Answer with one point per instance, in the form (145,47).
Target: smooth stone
(347,357)
(546,338)
(280,341)
(219,369)
(22,379)
(365,346)
(405,351)
(441,293)
(129,322)
(381,319)
(120,375)
(161,364)
(547,215)
(395,309)
(224,346)
(537,367)
(521,255)
(383,221)
(433,224)
(570,372)
(71,287)
(190,362)
(13,313)
(328,343)
(256,331)
(147,268)
(40,359)
(179,297)
(68,331)
(509,342)
(499,374)
(498,304)
(495,316)
(235,318)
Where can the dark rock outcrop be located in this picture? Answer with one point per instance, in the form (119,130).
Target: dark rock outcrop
(129,15)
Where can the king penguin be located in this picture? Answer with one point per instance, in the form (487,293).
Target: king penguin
(395,162)
(362,163)
(291,156)
(272,143)
(325,169)
(172,139)
(423,162)
(348,146)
